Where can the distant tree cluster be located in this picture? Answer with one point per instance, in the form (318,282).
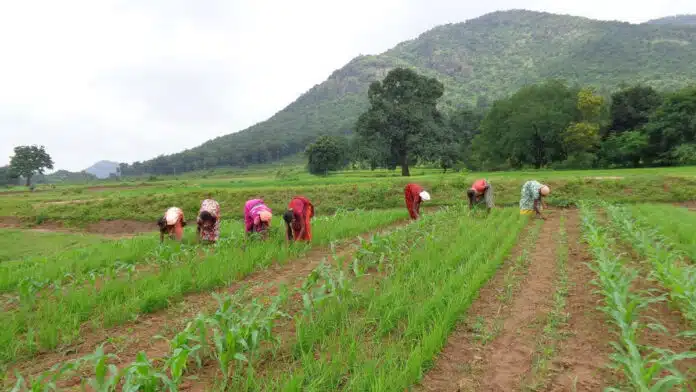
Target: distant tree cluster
(549,124)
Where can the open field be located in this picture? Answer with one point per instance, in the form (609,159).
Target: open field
(600,294)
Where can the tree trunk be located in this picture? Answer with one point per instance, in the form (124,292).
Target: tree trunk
(404,165)
(28,182)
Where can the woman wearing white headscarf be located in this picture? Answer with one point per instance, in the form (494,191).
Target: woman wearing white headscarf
(532,197)
(414,195)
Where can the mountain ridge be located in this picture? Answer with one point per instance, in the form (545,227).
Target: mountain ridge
(478,60)
(103,169)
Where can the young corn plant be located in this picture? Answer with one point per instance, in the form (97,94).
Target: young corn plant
(647,369)
(183,346)
(143,376)
(106,375)
(668,266)
(322,283)
(239,330)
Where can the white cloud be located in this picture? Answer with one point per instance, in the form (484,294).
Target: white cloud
(131,79)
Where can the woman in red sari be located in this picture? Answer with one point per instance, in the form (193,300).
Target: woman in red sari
(414,195)
(297,219)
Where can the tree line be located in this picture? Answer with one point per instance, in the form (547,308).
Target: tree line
(546,125)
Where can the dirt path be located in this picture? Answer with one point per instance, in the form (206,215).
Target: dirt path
(497,356)
(129,339)
(580,363)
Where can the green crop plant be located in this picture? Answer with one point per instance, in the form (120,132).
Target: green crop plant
(239,330)
(143,376)
(668,266)
(386,335)
(120,299)
(646,368)
(673,223)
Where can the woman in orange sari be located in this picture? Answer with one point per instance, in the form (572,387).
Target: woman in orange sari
(297,219)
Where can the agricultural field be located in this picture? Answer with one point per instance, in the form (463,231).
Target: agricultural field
(601,294)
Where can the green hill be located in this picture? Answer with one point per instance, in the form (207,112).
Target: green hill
(677,20)
(478,61)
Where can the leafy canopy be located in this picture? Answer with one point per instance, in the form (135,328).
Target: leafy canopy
(325,155)
(30,160)
(402,116)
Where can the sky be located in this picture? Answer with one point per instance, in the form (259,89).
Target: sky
(132,79)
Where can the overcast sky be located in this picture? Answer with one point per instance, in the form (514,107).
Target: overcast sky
(128,80)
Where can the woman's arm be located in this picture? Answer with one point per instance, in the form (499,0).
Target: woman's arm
(536,208)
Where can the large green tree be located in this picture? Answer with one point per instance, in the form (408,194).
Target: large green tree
(326,154)
(402,116)
(528,128)
(632,107)
(672,124)
(30,160)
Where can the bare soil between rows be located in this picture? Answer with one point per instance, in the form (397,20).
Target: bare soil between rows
(120,228)
(470,363)
(127,340)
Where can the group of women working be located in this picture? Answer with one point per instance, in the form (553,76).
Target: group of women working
(257,219)
(257,215)
(481,193)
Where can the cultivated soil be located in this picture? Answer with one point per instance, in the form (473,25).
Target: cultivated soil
(501,356)
(119,228)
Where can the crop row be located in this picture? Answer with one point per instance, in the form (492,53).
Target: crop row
(644,367)
(385,337)
(377,327)
(181,270)
(676,224)
(668,266)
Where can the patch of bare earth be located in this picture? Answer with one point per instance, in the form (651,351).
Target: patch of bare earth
(119,228)
(127,340)
(8,222)
(580,364)
(691,204)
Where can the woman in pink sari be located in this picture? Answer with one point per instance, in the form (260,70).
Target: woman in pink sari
(257,217)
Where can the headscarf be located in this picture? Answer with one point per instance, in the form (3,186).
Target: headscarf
(424,195)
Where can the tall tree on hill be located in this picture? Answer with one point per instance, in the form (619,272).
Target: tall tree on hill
(325,155)
(30,160)
(402,115)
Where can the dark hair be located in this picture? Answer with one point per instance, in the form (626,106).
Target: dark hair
(162,223)
(472,194)
(207,216)
(288,216)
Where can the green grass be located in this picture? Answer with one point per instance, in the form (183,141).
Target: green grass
(344,190)
(179,270)
(23,244)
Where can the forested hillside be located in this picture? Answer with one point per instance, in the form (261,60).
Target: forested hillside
(484,59)
(683,20)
